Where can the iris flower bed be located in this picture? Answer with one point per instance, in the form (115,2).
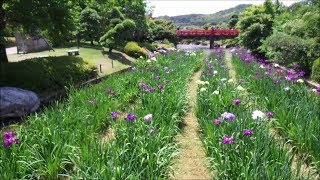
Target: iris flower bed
(296,107)
(65,140)
(235,131)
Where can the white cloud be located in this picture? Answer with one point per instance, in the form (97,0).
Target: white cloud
(181,7)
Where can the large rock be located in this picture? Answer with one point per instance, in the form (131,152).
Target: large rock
(150,54)
(16,102)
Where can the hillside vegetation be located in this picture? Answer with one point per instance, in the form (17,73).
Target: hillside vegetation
(201,19)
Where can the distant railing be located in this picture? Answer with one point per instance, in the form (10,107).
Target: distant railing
(212,32)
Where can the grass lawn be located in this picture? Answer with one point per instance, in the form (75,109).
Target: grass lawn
(92,55)
(45,74)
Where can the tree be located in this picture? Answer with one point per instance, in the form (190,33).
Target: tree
(89,23)
(296,35)
(207,26)
(161,29)
(222,25)
(255,24)
(136,11)
(52,18)
(119,30)
(3,54)
(233,21)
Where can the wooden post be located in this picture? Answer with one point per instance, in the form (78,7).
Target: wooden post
(100,68)
(211,42)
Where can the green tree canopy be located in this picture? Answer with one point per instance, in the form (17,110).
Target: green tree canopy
(51,18)
(119,30)
(207,26)
(222,25)
(233,21)
(136,11)
(296,35)
(255,24)
(161,29)
(89,23)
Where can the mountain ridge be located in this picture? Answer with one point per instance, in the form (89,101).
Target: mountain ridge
(202,19)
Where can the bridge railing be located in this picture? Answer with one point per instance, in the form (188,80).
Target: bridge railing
(212,32)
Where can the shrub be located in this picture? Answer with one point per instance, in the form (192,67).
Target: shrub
(45,74)
(10,41)
(316,70)
(134,50)
(288,49)
(231,42)
(148,46)
(166,41)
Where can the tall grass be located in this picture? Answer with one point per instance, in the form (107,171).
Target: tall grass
(296,107)
(64,141)
(253,154)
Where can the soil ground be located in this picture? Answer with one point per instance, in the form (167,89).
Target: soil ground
(191,162)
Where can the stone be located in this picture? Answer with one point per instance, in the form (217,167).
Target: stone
(150,54)
(16,102)
(162,51)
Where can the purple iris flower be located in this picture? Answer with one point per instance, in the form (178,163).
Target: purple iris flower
(160,86)
(228,139)
(229,116)
(9,138)
(217,121)
(114,114)
(130,117)
(142,84)
(270,114)
(248,132)
(236,101)
(152,89)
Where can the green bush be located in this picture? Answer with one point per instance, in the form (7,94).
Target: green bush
(134,50)
(232,42)
(288,50)
(10,41)
(316,70)
(45,74)
(148,46)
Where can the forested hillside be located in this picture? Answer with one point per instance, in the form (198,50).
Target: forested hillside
(201,19)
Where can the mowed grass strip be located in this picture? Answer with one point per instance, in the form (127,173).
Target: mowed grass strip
(94,55)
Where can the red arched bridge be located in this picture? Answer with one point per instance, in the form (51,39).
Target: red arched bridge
(213,34)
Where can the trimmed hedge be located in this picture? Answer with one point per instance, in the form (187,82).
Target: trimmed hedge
(316,70)
(134,50)
(45,74)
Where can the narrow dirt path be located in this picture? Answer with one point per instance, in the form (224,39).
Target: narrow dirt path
(191,162)
(232,72)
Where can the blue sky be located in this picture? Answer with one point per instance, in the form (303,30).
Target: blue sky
(181,7)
